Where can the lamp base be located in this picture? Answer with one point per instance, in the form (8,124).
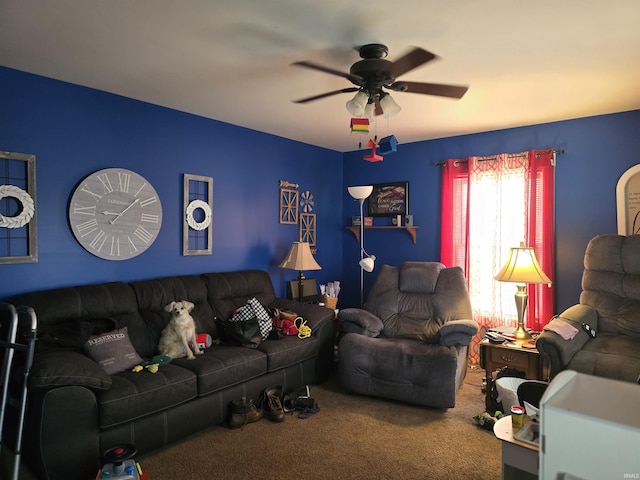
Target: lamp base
(521,306)
(521,334)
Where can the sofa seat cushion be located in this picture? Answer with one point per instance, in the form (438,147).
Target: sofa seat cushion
(401,369)
(134,395)
(223,366)
(609,355)
(289,351)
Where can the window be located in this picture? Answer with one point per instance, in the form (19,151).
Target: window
(490,204)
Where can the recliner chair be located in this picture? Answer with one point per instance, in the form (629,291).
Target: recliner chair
(609,308)
(411,340)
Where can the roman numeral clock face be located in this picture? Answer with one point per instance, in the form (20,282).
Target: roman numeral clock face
(115,214)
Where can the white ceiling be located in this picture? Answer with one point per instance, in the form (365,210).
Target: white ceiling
(526,62)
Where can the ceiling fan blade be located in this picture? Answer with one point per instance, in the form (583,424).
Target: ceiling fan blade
(355,79)
(328,94)
(411,60)
(451,91)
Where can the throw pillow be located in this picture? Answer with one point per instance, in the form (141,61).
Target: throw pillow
(264,319)
(113,351)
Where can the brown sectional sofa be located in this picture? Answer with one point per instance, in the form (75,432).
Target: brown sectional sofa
(76,411)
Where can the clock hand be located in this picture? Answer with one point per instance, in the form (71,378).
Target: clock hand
(109,213)
(123,212)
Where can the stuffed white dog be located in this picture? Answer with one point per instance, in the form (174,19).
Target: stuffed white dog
(179,332)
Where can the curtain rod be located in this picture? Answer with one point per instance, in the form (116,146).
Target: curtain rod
(439,164)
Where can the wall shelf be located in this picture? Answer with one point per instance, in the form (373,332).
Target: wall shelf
(410,230)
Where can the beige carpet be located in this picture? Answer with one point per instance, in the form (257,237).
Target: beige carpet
(352,437)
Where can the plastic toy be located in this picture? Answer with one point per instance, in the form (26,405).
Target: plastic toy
(121,464)
(153,364)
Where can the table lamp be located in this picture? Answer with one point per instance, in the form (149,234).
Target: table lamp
(300,258)
(522,267)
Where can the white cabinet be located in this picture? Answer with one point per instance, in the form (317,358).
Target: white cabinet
(590,428)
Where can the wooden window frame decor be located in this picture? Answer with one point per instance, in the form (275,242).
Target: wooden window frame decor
(18,223)
(307,231)
(288,203)
(388,200)
(197,228)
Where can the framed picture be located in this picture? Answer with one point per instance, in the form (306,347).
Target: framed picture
(388,200)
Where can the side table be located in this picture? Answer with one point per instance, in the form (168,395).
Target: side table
(519,459)
(494,356)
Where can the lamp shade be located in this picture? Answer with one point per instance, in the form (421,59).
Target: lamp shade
(389,106)
(368,263)
(360,192)
(300,258)
(522,267)
(356,105)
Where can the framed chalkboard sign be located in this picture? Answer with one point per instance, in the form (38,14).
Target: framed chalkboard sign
(628,202)
(388,200)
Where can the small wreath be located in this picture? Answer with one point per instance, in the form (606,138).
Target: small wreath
(28,208)
(192,207)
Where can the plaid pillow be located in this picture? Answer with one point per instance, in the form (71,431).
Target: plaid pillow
(264,319)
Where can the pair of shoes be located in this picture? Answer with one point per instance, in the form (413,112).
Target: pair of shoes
(243,412)
(298,400)
(272,404)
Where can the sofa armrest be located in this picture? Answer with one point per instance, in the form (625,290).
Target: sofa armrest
(356,320)
(559,351)
(457,332)
(58,368)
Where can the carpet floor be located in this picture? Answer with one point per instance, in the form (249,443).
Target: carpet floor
(351,437)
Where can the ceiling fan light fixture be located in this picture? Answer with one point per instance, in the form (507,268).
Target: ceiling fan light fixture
(356,106)
(389,106)
(370,111)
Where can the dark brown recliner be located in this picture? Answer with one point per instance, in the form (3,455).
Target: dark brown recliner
(411,340)
(610,306)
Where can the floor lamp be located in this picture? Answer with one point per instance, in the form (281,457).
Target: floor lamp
(522,267)
(367,262)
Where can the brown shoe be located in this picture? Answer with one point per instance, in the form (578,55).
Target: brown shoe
(272,404)
(243,412)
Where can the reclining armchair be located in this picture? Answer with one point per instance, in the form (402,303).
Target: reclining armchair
(411,340)
(606,322)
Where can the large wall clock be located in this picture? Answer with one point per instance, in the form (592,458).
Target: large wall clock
(115,214)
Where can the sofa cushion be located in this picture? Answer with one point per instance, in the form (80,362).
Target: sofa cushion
(87,306)
(154,295)
(66,367)
(135,395)
(223,366)
(113,351)
(609,355)
(419,277)
(289,351)
(229,290)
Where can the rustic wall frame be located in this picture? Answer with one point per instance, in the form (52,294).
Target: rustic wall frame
(18,212)
(197,221)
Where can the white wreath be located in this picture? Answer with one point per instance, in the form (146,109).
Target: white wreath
(28,208)
(192,207)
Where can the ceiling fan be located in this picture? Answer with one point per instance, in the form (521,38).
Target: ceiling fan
(374,73)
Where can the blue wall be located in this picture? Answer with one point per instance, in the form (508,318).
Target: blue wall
(74,131)
(597,151)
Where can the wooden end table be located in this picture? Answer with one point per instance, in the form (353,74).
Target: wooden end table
(494,356)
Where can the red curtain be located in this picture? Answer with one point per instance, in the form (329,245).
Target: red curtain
(540,234)
(539,229)
(454,234)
